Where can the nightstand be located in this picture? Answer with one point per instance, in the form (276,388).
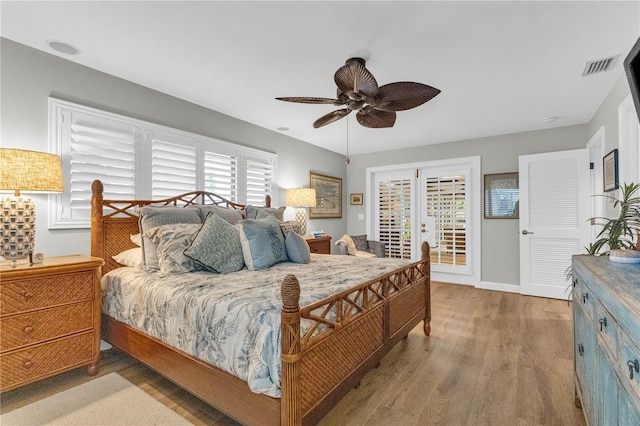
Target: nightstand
(49,318)
(320,245)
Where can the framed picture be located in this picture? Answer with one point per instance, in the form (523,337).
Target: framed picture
(501,196)
(356,199)
(610,171)
(328,196)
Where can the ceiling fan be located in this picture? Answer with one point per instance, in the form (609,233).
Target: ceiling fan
(358,90)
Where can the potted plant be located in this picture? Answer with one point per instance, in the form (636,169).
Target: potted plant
(616,238)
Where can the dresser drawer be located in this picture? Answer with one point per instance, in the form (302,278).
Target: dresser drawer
(34,327)
(629,356)
(585,297)
(40,292)
(607,327)
(29,364)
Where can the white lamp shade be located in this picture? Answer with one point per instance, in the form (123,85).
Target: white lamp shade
(301,197)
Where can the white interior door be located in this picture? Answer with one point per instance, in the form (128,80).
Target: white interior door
(554,209)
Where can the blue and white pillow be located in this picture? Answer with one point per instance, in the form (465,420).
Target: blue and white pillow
(262,243)
(298,250)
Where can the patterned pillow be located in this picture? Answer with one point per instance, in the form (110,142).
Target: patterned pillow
(297,248)
(289,226)
(172,240)
(217,246)
(262,242)
(251,212)
(230,215)
(152,216)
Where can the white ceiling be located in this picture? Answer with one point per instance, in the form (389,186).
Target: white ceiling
(502,67)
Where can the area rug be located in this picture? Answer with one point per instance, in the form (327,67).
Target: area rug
(107,400)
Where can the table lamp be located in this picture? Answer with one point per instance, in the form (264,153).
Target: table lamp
(301,198)
(24,171)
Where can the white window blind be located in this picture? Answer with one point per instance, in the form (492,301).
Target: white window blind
(446,198)
(394,216)
(138,159)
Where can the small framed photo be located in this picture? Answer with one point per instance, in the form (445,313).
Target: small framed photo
(501,196)
(356,199)
(610,171)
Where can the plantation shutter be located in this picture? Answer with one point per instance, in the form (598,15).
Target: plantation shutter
(394,215)
(98,148)
(221,175)
(446,201)
(259,179)
(173,167)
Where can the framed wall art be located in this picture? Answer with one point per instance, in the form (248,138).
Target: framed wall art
(501,196)
(610,171)
(356,199)
(328,196)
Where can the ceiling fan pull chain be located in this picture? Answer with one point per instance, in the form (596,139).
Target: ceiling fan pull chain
(347,160)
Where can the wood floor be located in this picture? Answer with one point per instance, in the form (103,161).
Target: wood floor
(492,359)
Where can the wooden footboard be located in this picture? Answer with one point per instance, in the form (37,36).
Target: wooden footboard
(327,347)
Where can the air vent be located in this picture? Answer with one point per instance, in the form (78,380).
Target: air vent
(600,65)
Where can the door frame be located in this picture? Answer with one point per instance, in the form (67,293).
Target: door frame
(474,233)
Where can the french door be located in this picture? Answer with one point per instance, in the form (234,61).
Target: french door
(431,202)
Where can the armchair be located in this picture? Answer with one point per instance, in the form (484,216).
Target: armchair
(360,246)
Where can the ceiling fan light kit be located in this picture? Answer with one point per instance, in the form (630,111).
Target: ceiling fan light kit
(376,106)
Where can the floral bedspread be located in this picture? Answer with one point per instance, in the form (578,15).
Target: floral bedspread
(231,321)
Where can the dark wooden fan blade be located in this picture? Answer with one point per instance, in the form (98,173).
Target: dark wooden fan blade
(375,118)
(331,117)
(354,80)
(402,96)
(312,100)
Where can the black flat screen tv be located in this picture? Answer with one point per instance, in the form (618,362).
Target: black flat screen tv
(632,68)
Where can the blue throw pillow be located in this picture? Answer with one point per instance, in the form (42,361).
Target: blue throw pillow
(262,243)
(297,248)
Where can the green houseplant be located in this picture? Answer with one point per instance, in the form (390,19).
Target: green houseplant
(619,233)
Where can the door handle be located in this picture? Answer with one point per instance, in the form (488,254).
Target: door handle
(525,232)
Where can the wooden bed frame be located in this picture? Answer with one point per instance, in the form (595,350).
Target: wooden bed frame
(318,368)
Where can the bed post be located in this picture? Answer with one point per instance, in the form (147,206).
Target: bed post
(290,319)
(97,225)
(426,257)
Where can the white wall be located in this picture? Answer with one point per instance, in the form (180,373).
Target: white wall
(30,76)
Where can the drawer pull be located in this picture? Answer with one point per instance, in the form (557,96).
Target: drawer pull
(585,297)
(575,282)
(581,349)
(603,321)
(29,364)
(28,329)
(633,365)
(27,295)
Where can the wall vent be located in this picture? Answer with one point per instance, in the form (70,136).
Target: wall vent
(600,65)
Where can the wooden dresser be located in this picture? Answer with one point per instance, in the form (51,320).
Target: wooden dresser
(320,245)
(606,314)
(49,318)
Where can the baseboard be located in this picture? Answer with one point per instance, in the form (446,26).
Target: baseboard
(509,288)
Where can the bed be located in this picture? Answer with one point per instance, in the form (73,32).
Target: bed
(327,346)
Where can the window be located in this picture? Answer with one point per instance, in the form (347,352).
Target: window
(138,159)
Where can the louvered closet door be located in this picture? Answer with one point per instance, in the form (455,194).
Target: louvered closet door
(554,210)
(395,212)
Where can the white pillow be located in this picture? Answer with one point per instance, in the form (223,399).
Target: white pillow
(131,257)
(136,239)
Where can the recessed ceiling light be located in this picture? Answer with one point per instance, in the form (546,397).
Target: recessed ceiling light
(283,129)
(62,47)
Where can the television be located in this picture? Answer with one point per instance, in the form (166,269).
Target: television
(632,69)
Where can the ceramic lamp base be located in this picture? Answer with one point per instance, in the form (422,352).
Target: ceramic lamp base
(17,227)
(301,218)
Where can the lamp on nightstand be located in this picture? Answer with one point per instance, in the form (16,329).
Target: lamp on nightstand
(301,198)
(27,171)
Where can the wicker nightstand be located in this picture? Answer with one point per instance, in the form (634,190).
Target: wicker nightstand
(49,318)
(320,245)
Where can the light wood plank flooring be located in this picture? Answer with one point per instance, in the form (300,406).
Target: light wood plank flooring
(492,359)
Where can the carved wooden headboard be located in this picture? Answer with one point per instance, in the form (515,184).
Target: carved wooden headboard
(114,221)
